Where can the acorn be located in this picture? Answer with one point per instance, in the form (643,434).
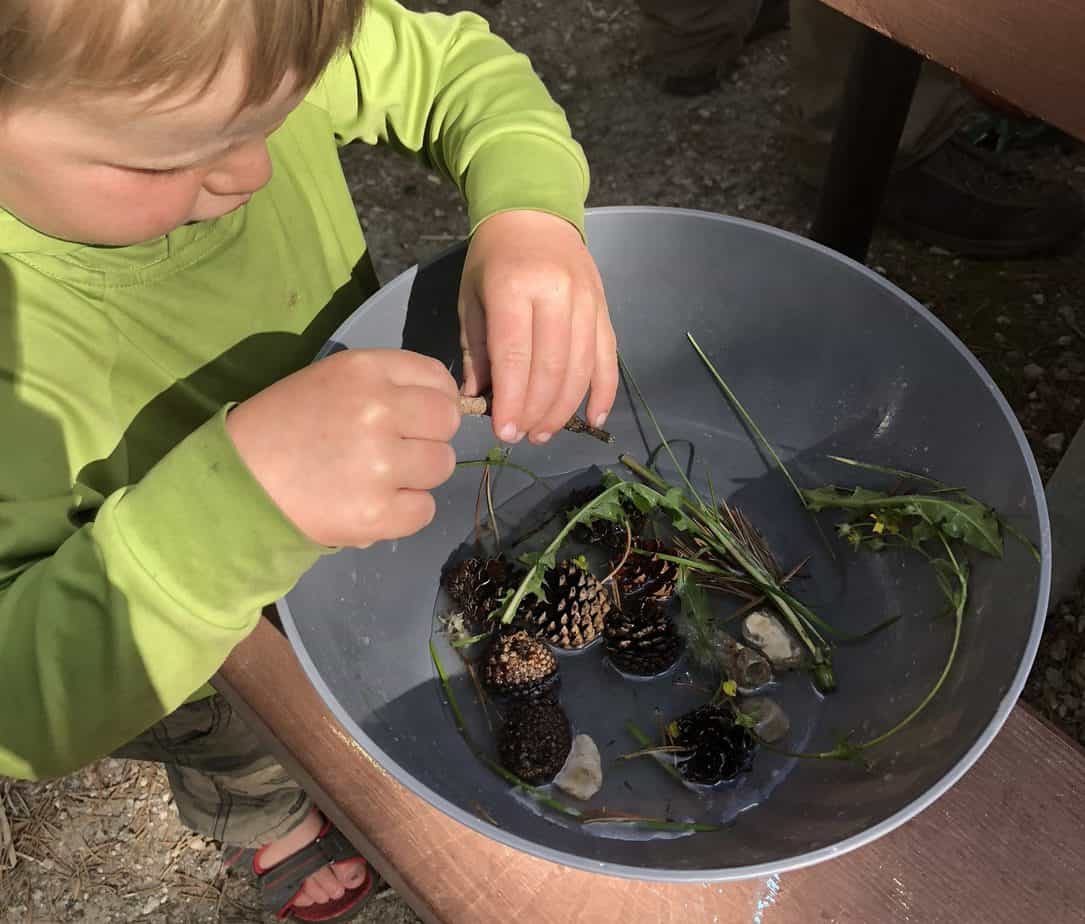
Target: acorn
(641,638)
(575,610)
(647,574)
(714,748)
(476,585)
(519,667)
(535,741)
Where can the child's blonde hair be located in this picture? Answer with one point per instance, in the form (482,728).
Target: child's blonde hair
(163,46)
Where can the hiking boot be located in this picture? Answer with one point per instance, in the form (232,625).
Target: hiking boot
(968,201)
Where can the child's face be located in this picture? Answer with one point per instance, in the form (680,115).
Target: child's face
(116,170)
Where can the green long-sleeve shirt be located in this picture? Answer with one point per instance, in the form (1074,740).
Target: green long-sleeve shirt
(135,547)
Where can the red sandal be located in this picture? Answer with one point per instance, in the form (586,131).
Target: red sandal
(281,884)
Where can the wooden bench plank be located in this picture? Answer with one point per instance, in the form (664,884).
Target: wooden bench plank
(1005,845)
(1028,53)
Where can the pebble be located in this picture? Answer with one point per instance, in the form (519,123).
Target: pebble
(1032,372)
(772,721)
(582,775)
(1065,340)
(764,629)
(1039,298)
(1055,441)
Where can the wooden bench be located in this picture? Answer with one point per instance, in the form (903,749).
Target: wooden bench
(1007,844)
(1004,846)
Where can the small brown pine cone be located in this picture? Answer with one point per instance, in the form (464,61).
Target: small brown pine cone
(535,741)
(519,666)
(642,639)
(575,611)
(647,575)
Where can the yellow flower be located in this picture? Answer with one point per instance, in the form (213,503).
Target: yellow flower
(730,688)
(879,525)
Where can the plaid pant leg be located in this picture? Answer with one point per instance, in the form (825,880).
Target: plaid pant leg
(225,785)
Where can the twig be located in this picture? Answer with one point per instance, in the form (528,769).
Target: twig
(487,478)
(482,407)
(621,564)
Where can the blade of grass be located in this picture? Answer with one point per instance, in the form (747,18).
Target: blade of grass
(645,742)
(746,418)
(659,431)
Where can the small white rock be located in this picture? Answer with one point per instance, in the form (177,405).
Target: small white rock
(763,629)
(582,775)
(772,721)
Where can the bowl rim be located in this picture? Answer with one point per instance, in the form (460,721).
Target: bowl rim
(808,858)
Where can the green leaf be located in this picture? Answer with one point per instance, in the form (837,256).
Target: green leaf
(730,688)
(967,520)
(745,719)
(607,504)
(961,518)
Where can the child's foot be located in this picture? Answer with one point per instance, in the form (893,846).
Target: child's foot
(311,874)
(327,884)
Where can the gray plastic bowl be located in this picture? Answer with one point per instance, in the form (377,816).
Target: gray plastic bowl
(828,357)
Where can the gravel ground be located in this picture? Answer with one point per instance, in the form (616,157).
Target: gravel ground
(105,844)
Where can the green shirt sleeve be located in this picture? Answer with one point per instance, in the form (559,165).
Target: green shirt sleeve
(131,613)
(447,90)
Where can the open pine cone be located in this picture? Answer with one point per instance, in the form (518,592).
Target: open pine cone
(519,666)
(716,749)
(642,638)
(475,586)
(535,741)
(575,611)
(647,575)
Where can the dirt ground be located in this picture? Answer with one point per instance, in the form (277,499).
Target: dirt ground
(105,845)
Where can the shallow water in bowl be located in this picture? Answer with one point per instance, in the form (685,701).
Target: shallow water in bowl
(599,700)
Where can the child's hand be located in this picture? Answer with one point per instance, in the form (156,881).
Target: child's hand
(534,322)
(349,446)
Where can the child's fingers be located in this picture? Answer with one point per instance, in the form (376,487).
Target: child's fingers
(476,358)
(420,465)
(406,369)
(426,414)
(509,335)
(551,332)
(604,379)
(581,359)
(411,511)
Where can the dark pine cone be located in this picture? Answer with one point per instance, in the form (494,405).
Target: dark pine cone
(475,586)
(519,666)
(575,611)
(535,741)
(717,749)
(649,574)
(604,533)
(642,638)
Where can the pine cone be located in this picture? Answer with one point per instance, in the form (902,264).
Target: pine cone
(716,749)
(575,611)
(605,533)
(519,666)
(642,639)
(648,575)
(475,586)
(535,741)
